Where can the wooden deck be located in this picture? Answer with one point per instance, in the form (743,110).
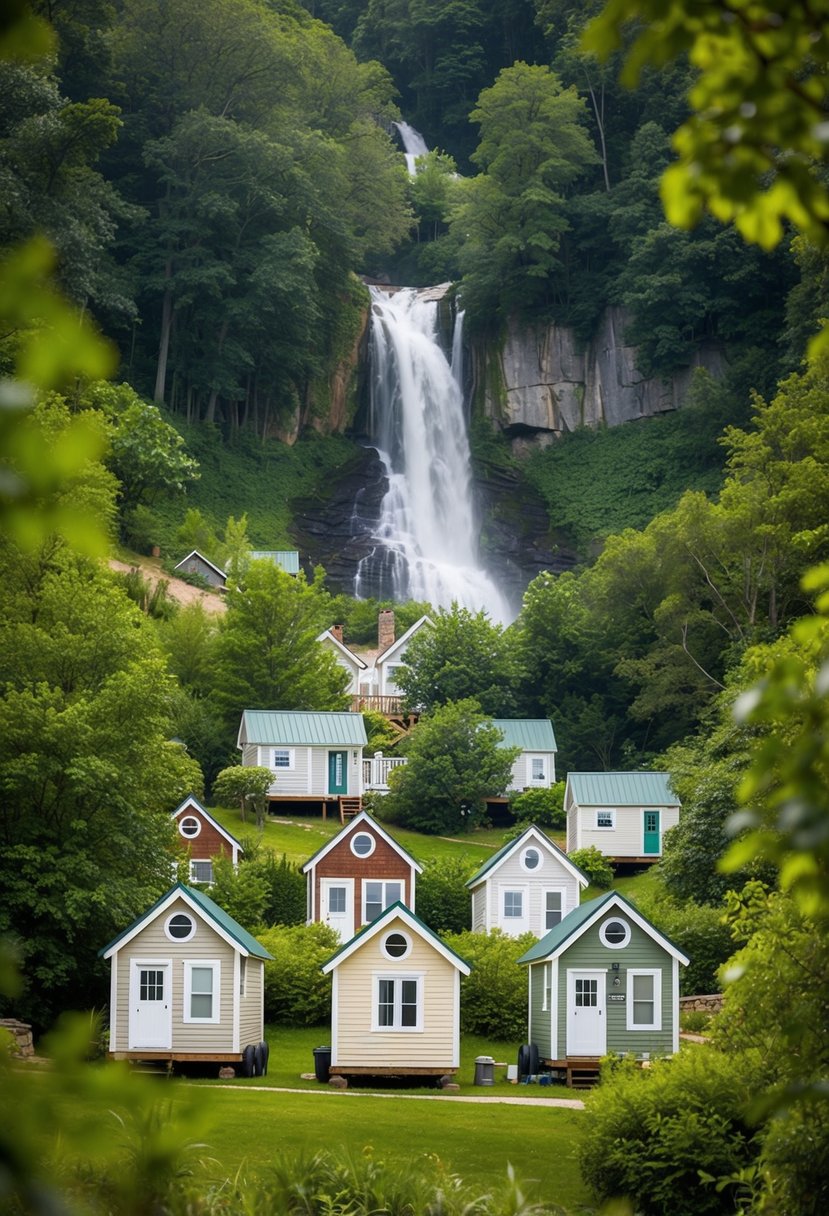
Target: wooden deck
(170,1057)
(580,1072)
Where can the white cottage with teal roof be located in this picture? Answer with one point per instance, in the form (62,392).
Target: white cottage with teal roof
(603,980)
(187,984)
(624,815)
(535,767)
(528,886)
(314,756)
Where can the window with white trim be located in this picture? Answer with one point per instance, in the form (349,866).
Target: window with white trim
(180,927)
(396,945)
(202,981)
(398,1002)
(532,859)
(615,933)
(553,908)
(644,999)
(243,974)
(547,980)
(605,819)
(363,844)
(377,896)
(513,905)
(201,871)
(283,757)
(189,826)
(538,769)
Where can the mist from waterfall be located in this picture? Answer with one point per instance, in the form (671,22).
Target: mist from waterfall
(426,538)
(414,145)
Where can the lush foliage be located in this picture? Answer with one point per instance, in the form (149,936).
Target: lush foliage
(594,864)
(245,785)
(296,991)
(544,807)
(494,994)
(443,900)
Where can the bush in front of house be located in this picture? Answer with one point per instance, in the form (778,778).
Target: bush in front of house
(653,1135)
(542,807)
(442,895)
(594,864)
(701,932)
(286,891)
(296,991)
(494,994)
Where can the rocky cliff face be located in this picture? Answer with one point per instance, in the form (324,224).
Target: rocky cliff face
(541,383)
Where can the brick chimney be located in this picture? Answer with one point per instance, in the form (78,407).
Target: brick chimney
(385,629)
(336,631)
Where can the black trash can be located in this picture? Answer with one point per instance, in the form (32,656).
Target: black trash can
(322,1063)
(484,1070)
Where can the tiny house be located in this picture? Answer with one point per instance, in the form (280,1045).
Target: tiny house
(624,815)
(202,839)
(187,983)
(395,1007)
(535,767)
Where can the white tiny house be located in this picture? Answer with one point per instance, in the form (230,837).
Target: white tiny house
(624,815)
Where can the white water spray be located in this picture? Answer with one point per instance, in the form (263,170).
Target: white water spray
(414,145)
(426,539)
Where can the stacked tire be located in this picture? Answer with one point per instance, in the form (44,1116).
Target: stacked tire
(527,1060)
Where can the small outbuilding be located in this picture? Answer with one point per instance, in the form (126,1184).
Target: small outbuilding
(202,839)
(187,984)
(604,979)
(624,815)
(197,563)
(535,767)
(395,1007)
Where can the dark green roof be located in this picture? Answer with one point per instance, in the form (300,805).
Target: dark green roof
(397,906)
(211,910)
(569,927)
(510,845)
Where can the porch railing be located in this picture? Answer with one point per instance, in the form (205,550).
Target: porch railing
(376,771)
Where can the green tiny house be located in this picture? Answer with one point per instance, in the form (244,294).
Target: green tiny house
(603,980)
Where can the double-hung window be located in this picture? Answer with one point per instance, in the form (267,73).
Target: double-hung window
(201,990)
(398,1002)
(644,999)
(201,871)
(553,908)
(283,757)
(538,770)
(513,905)
(377,896)
(606,819)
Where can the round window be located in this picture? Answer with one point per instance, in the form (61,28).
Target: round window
(615,933)
(396,945)
(531,859)
(362,844)
(180,927)
(189,826)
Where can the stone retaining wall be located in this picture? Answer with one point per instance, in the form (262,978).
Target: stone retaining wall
(22,1035)
(712,1003)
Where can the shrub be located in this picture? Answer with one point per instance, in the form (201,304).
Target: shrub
(594,864)
(695,1021)
(443,900)
(296,991)
(651,1133)
(494,994)
(543,807)
(286,891)
(240,890)
(700,931)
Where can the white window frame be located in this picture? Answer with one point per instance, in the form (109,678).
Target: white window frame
(243,974)
(614,920)
(201,861)
(562,891)
(369,836)
(546,986)
(283,768)
(543,762)
(384,882)
(520,891)
(606,827)
(534,848)
(632,974)
(171,937)
(397,980)
(189,819)
(396,958)
(216,966)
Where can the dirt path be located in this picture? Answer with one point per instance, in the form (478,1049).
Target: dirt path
(494,1099)
(177,589)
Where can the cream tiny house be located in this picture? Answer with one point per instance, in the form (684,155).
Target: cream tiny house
(625,815)
(535,767)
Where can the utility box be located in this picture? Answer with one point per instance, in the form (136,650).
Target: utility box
(484,1070)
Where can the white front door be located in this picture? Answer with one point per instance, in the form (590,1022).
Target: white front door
(151,1005)
(337,905)
(586,1018)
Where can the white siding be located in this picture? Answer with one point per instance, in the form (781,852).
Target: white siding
(522,771)
(626,839)
(511,874)
(479,909)
(573,829)
(288,781)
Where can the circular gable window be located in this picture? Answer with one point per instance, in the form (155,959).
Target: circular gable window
(189,826)
(615,933)
(396,945)
(180,927)
(362,844)
(531,859)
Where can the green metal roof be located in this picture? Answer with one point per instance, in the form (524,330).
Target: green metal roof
(211,910)
(530,734)
(284,727)
(569,927)
(287,559)
(386,914)
(622,789)
(513,844)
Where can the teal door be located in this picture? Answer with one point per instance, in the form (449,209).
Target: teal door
(338,772)
(651,833)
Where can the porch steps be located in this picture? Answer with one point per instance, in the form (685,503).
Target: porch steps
(349,807)
(582,1074)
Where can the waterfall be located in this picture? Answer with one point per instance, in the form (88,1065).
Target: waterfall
(425,543)
(414,145)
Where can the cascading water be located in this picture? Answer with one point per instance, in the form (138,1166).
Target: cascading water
(426,538)
(414,145)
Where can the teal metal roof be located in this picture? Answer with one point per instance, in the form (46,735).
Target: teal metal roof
(574,921)
(530,734)
(622,789)
(287,559)
(386,914)
(211,910)
(286,727)
(513,844)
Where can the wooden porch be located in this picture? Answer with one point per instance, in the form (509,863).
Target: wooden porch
(578,1072)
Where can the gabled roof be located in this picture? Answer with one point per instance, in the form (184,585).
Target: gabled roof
(393,912)
(290,727)
(403,640)
(362,820)
(530,833)
(287,559)
(530,734)
(192,803)
(328,636)
(577,922)
(202,558)
(203,906)
(622,789)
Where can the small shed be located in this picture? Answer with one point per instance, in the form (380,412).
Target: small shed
(187,984)
(197,563)
(604,979)
(529,886)
(202,838)
(395,1000)
(357,875)
(535,768)
(625,815)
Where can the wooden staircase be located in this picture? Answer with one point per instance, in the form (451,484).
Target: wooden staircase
(349,807)
(582,1074)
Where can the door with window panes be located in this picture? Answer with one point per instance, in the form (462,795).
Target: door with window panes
(586,1020)
(150,1020)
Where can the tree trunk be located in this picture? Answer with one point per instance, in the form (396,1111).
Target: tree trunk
(164,342)
(210,416)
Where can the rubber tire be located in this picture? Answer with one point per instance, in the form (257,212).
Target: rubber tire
(523,1060)
(257,1060)
(264,1052)
(533,1069)
(249,1060)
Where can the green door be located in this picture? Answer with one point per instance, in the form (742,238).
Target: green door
(651,833)
(338,772)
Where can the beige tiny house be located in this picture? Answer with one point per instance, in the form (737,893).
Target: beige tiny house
(187,983)
(395,1000)
(624,815)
